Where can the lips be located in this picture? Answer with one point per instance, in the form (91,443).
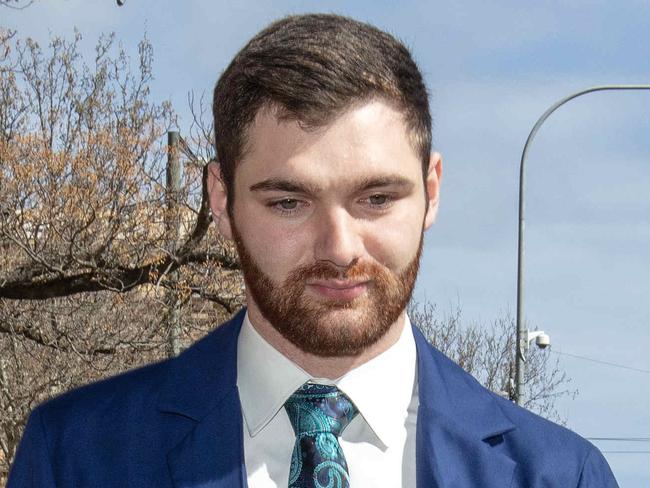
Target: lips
(338,289)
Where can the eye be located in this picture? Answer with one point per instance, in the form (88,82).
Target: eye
(287,206)
(378,199)
(378,203)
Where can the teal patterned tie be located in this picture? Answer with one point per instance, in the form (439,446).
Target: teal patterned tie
(318,414)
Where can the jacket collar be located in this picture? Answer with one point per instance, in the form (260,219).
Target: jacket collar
(203,374)
(202,386)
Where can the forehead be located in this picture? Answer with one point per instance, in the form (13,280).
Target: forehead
(371,138)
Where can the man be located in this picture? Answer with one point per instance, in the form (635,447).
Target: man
(325,183)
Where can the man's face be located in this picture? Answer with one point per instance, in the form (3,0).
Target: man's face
(328,225)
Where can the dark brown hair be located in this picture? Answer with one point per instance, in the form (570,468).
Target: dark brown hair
(311,68)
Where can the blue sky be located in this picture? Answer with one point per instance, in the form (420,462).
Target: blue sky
(492,69)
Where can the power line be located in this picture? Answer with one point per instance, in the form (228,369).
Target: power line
(625,452)
(607,363)
(623,439)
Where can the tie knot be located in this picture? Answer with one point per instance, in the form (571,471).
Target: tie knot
(314,409)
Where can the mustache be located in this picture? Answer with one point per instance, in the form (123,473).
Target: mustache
(356,270)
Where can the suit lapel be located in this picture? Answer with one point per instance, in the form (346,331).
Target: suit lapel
(211,455)
(458,424)
(200,395)
(449,457)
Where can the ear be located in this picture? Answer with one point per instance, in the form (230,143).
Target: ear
(434,177)
(218,200)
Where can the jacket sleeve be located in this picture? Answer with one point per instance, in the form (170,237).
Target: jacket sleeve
(32,467)
(596,472)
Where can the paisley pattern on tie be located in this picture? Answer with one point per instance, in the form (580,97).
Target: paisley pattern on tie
(319,414)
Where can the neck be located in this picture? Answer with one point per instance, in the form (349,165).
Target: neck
(322,366)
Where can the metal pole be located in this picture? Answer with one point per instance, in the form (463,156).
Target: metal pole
(173,231)
(522,330)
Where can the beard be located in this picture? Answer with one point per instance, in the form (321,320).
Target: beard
(327,327)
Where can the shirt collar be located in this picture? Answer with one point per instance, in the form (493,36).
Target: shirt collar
(381,389)
(265,378)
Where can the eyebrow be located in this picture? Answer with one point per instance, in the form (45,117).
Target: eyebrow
(292,186)
(383,181)
(280,184)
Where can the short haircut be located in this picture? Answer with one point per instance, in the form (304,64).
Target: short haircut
(310,69)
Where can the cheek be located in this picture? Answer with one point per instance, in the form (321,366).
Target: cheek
(395,244)
(276,249)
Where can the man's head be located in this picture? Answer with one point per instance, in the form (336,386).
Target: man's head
(325,179)
(311,68)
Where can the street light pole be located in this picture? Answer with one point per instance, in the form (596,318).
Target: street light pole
(522,331)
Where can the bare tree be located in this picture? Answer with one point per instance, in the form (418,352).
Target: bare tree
(86,260)
(82,178)
(487,352)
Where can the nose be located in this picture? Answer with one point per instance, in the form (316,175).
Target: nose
(339,239)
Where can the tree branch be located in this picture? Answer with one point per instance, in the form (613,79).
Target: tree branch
(203,219)
(118,279)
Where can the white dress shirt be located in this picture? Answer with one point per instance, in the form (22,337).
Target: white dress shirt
(379,443)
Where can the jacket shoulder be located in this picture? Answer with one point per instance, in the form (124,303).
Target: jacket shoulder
(545,447)
(120,428)
(138,385)
(78,431)
(545,453)
(138,390)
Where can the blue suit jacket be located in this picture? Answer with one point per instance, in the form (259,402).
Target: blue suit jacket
(178,424)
